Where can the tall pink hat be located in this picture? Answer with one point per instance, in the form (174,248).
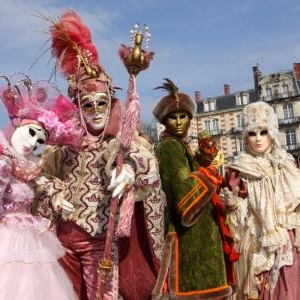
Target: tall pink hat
(41,102)
(77,59)
(76,55)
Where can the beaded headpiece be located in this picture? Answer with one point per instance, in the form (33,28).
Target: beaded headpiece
(77,57)
(78,61)
(41,102)
(260,115)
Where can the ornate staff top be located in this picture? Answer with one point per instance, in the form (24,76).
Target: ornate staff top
(134,57)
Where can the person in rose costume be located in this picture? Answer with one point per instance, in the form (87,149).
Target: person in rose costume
(84,181)
(29,251)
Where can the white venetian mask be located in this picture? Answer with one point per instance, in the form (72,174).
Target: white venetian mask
(94,111)
(28,138)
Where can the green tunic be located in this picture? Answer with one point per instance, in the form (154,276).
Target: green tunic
(197,267)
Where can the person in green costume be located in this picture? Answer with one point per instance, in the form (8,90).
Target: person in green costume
(193,264)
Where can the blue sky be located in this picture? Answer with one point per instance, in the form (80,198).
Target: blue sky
(200,45)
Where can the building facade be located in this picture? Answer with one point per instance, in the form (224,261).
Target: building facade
(221,115)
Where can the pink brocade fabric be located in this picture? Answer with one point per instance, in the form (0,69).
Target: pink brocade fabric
(288,274)
(82,251)
(136,258)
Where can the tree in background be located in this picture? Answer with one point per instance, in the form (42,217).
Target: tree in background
(149,129)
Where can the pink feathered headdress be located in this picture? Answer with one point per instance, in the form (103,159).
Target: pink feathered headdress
(78,61)
(76,55)
(42,102)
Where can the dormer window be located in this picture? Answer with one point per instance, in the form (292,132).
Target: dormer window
(285,90)
(242,98)
(238,99)
(209,105)
(206,106)
(268,94)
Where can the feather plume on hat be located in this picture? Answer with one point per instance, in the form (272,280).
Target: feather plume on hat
(175,101)
(77,59)
(76,55)
(71,42)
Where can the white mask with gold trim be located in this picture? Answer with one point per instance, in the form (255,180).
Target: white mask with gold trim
(94,109)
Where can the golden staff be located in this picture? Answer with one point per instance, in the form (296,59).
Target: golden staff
(135,59)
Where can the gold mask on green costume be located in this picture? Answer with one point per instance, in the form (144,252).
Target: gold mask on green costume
(178,123)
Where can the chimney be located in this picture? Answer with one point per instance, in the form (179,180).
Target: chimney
(257,75)
(297,71)
(198,96)
(226,89)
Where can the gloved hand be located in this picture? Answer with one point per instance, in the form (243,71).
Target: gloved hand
(41,180)
(61,205)
(123,181)
(231,197)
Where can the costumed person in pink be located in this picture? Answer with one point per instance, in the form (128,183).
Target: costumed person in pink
(87,178)
(263,210)
(29,251)
(193,264)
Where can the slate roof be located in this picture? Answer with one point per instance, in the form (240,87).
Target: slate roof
(227,101)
